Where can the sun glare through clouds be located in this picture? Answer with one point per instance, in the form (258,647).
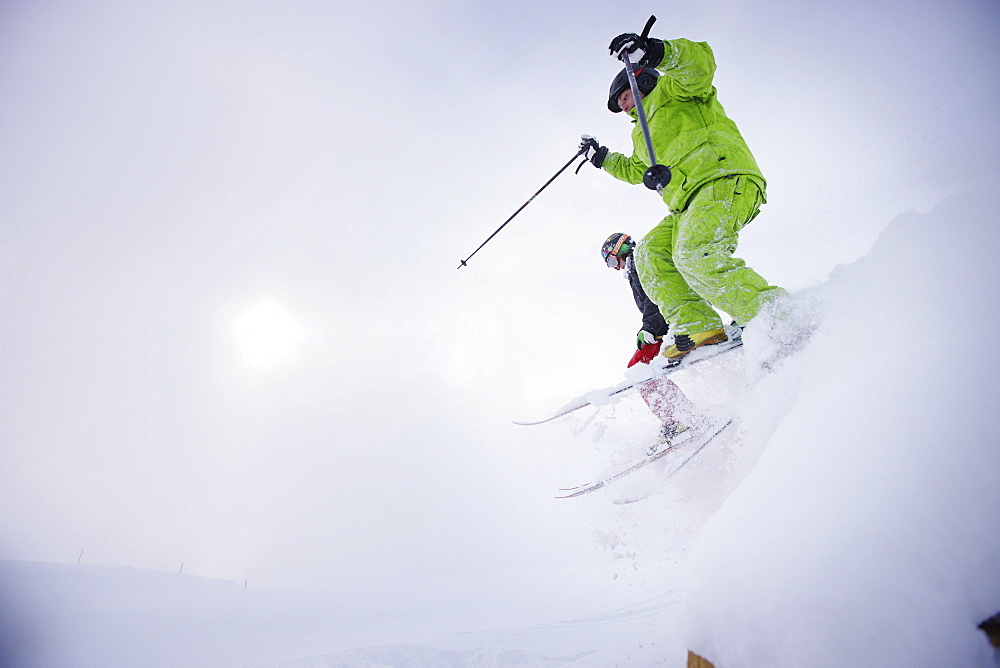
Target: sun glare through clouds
(267,335)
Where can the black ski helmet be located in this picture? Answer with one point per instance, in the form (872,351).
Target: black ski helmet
(645,79)
(618,244)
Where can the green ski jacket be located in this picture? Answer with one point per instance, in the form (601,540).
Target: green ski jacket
(690,130)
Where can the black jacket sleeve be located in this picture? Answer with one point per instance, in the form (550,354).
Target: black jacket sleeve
(652,320)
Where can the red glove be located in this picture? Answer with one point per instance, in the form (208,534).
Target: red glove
(646,354)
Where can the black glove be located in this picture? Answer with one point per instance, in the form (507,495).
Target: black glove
(600,152)
(627,42)
(643,52)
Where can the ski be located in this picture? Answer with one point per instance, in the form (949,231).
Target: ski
(695,357)
(594,486)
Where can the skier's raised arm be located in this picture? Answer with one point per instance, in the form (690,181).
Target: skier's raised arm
(688,69)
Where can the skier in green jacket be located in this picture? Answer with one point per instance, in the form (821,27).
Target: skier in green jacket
(686,262)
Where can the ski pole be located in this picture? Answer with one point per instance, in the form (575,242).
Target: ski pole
(578,154)
(657,176)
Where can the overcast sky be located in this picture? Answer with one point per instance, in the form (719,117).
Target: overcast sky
(175,174)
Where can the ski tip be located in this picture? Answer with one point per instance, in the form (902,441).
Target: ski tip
(583,489)
(573,489)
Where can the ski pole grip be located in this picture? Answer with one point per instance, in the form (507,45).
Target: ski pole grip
(649,24)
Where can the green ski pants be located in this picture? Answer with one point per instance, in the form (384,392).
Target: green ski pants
(686,263)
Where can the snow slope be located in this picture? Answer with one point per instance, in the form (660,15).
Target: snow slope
(851,521)
(69,615)
(867,532)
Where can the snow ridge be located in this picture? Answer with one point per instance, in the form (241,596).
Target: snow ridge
(865,533)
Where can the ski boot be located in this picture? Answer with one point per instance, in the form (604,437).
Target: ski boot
(685,343)
(669,434)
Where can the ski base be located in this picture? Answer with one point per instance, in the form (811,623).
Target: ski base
(657,370)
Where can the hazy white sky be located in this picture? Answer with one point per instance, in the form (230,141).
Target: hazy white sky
(171,170)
